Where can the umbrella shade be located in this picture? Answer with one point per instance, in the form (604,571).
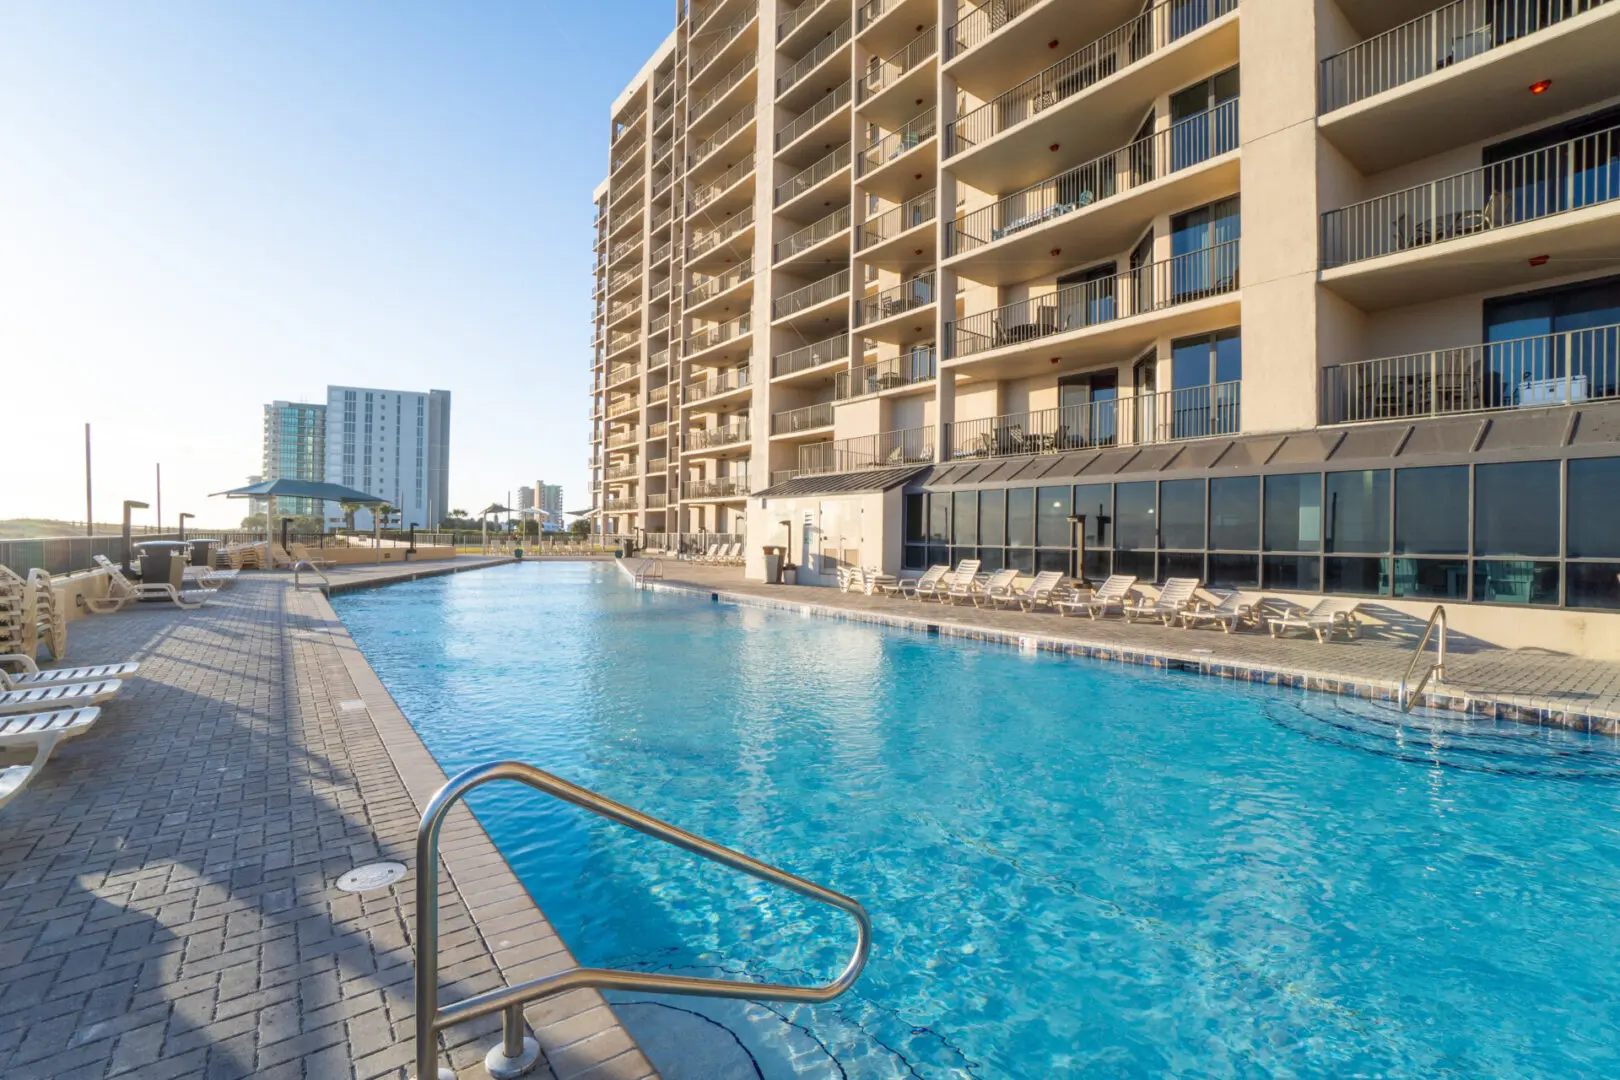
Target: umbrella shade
(301,489)
(496,508)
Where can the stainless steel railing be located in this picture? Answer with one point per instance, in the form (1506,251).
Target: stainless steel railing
(432,1018)
(805,179)
(1437,670)
(813,59)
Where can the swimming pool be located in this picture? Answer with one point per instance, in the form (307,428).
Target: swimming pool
(1073,869)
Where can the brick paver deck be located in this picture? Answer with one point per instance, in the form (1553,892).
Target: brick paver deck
(167,888)
(1548,686)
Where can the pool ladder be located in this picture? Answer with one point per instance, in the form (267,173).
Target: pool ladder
(1437,670)
(517,1053)
(649,570)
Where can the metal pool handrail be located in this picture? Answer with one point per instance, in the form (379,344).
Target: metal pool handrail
(515,1053)
(304,564)
(1437,670)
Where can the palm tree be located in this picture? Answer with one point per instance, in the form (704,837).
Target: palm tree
(349,509)
(384,512)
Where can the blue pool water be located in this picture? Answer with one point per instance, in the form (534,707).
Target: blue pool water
(1073,869)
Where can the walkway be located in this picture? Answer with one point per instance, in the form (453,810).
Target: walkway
(167,889)
(1522,684)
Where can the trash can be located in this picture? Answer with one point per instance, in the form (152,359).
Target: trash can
(202,551)
(773,565)
(162,561)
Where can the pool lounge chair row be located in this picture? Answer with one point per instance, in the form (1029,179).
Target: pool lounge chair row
(39,709)
(718,555)
(122,591)
(1179,602)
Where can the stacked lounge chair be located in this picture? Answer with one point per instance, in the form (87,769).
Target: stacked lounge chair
(13,591)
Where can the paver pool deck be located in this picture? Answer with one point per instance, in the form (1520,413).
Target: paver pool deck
(167,888)
(168,905)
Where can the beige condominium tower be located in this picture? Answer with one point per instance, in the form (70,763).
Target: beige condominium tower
(1295,295)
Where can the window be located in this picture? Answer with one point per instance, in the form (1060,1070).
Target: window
(992,518)
(1234,513)
(1095,502)
(1205,373)
(1431,518)
(1021,517)
(1203,255)
(1052,530)
(1199,128)
(1181,515)
(1293,523)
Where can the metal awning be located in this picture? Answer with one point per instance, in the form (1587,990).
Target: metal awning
(850,483)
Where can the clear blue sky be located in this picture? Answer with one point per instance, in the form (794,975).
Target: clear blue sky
(208,206)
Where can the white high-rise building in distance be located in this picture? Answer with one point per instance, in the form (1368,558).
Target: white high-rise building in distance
(549,497)
(525,498)
(394,444)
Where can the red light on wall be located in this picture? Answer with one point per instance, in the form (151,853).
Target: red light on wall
(1052,44)
(1540,87)
(1056,252)
(1054,147)
(1538,260)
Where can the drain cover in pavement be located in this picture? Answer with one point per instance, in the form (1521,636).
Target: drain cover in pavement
(378,875)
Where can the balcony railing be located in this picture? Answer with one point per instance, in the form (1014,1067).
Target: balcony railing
(811,235)
(904,297)
(806,419)
(889,71)
(718,40)
(807,63)
(622,277)
(815,293)
(709,438)
(1156,28)
(657,502)
(706,194)
(887,449)
(620,310)
(662,116)
(812,116)
(716,385)
(891,223)
(1194,412)
(791,20)
(739,120)
(1154,286)
(718,335)
(704,242)
(907,369)
(628,124)
(658,359)
(977,25)
(658,430)
(658,394)
(615,506)
(873,10)
(661,252)
(702,13)
(1568,176)
(813,355)
(622,408)
(1433,42)
(657,465)
(803,181)
(719,283)
(724,487)
(900,141)
(623,439)
(664,216)
(782,476)
(659,291)
(727,83)
(621,472)
(1184,144)
(623,248)
(659,324)
(1548,369)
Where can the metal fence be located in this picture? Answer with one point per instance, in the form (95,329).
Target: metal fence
(913,446)
(978,24)
(1547,369)
(1194,412)
(812,355)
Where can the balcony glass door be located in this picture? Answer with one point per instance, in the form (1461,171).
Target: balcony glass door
(1086,298)
(1199,263)
(1553,346)
(1087,407)
(1199,127)
(1205,374)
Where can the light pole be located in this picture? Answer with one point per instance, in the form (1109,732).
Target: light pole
(1077,539)
(130,504)
(183,518)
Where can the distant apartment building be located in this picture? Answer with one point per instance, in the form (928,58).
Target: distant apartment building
(1306,297)
(525,498)
(394,444)
(549,497)
(294,449)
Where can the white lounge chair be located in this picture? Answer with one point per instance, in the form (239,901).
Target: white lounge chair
(999,587)
(909,586)
(57,696)
(1037,592)
(1172,600)
(1235,610)
(31,675)
(1113,594)
(41,731)
(124,591)
(1323,620)
(963,582)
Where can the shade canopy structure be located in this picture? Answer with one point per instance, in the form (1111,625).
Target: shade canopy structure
(285,488)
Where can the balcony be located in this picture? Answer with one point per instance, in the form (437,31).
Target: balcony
(658,359)
(812,297)
(708,288)
(905,74)
(721,184)
(739,122)
(834,224)
(1099,206)
(913,368)
(1478,230)
(810,179)
(885,450)
(622,373)
(1195,291)
(617,506)
(810,357)
(804,65)
(1182,38)
(622,311)
(878,163)
(622,408)
(806,22)
(717,43)
(1195,412)
(706,241)
(718,335)
(1531,372)
(627,438)
(700,439)
(622,472)
(799,421)
(893,302)
(722,90)
(657,502)
(658,430)
(724,487)
(658,394)
(806,121)
(717,386)
(657,465)
(664,216)
(886,240)
(1458,75)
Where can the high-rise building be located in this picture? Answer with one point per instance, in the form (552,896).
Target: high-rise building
(394,444)
(549,497)
(294,449)
(525,498)
(1308,297)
